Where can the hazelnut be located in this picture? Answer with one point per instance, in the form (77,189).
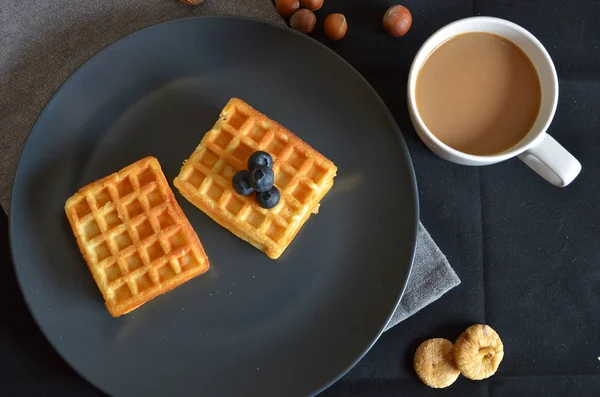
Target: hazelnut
(335,26)
(303,20)
(287,7)
(397,21)
(312,5)
(192,2)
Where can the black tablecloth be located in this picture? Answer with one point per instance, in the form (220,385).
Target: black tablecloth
(528,253)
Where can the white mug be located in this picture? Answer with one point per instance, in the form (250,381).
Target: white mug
(538,149)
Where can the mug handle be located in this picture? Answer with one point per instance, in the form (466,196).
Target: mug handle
(552,161)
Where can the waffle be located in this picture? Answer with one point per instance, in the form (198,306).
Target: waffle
(302,175)
(133,235)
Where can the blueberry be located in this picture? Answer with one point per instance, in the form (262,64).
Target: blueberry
(241,183)
(268,199)
(262,179)
(260,159)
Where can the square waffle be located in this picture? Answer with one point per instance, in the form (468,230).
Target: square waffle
(133,235)
(302,175)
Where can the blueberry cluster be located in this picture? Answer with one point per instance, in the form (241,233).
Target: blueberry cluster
(259,179)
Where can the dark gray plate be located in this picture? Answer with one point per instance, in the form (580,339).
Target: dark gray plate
(250,326)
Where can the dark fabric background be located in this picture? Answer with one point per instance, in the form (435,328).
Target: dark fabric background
(528,254)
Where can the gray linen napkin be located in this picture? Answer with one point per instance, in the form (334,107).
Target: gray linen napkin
(43,42)
(431,277)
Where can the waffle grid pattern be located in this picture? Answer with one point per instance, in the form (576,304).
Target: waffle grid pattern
(134,237)
(302,175)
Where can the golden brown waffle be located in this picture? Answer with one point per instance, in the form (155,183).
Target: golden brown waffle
(134,236)
(302,175)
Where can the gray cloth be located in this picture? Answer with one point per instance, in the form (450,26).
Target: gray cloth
(43,42)
(431,277)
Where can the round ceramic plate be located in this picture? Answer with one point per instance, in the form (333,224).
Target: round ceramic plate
(251,325)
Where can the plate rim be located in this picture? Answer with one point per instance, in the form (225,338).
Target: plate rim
(412,178)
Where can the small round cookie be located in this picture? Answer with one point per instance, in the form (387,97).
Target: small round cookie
(434,363)
(478,352)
